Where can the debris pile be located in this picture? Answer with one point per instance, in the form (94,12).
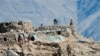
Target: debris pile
(20,39)
(16,26)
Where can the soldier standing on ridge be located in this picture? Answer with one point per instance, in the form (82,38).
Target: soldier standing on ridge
(71,22)
(55,21)
(72,27)
(41,27)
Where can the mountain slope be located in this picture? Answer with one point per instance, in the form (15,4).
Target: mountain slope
(89,18)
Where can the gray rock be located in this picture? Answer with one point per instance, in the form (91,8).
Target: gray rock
(11,53)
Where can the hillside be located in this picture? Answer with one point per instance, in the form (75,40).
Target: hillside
(19,38)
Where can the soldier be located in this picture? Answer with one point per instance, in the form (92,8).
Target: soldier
(41,27)
(71,22)
(72,27)
(55,21)
(69,50)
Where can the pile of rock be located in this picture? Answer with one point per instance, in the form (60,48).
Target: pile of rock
(16,26)
(13,41)
(9,31)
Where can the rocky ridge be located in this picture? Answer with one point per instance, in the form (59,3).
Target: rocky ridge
(73,44)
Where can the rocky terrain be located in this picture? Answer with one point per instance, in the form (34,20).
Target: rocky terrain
(73,44)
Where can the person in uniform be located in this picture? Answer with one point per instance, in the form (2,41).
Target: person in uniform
(72,27)
(55,22)
(69,50)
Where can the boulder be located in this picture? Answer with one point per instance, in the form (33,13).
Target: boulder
(11,53)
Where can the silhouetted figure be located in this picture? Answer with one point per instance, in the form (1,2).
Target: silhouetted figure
(71,22)
(55,22)
(41,27)
(69,50)
(72,27)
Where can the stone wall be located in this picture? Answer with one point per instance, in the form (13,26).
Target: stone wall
(9,31)
(20,25)
(8,39)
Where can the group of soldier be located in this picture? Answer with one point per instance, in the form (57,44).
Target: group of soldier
(55,22)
